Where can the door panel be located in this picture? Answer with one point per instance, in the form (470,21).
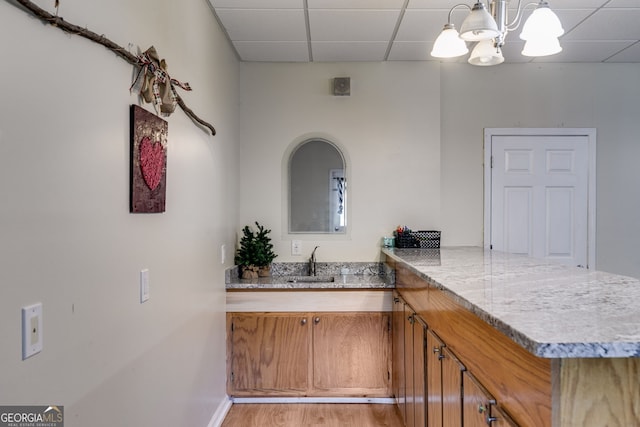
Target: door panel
(269,353)
(434,380)
(351,352)
(539,196)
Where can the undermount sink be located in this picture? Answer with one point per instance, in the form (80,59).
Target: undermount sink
(310,279)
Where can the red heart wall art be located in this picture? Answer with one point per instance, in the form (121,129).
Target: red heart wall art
(151,162)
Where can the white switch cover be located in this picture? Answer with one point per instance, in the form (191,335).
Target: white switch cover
(31,330)
(222,254)
(296,247)
(144,285)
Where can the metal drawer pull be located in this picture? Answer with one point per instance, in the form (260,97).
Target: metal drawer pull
(316,320)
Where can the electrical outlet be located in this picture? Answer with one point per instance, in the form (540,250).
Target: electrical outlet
(31,330)
(296,247)
(144,285)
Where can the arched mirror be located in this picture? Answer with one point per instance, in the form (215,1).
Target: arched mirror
(317,188)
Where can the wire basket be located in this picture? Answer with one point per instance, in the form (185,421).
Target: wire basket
(429,239)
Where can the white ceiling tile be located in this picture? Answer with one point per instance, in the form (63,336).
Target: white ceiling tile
(362,30)
(421,25)
(411,51)
(264,25)
(348,51)
(623,3)
(435,4)
(273,51)
(351,25)
(258,4)
(608,24)
(355,4)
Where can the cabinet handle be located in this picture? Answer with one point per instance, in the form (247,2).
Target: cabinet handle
(303,321)
(491,419)
(316,320)
(436,349)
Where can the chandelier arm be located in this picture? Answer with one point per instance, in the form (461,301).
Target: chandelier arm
(455,7)
(518,19)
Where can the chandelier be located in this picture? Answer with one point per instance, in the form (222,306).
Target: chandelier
(489,30)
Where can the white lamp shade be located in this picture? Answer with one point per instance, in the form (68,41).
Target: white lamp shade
(449,44)
(479,25)
(486,54)
(542,23)
(542,47)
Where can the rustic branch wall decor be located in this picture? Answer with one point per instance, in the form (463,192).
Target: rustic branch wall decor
(136,61)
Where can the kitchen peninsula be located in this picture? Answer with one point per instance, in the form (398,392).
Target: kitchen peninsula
(550,345)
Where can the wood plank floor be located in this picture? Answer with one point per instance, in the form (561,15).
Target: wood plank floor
(312,414)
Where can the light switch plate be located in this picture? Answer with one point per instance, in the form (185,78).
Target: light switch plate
(144,285)
(31,330)
(296,247)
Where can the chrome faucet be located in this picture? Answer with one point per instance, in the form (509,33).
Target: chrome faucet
(312,262)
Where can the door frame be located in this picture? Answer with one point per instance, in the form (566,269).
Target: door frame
(589,133)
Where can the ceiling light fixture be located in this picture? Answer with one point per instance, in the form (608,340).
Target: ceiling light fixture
(540,32)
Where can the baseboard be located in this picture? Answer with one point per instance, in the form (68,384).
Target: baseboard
(385,400)
(221,412)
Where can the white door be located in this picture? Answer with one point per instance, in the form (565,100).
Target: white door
(539,195)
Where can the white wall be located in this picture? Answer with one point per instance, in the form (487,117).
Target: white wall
(68,239)
(601,96)
(413,133)
(388,129)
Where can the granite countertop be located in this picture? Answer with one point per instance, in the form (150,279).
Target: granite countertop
(552,310)
(283,276)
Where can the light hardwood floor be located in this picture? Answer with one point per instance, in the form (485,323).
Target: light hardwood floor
(316,414)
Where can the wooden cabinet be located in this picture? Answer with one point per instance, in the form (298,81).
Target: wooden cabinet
(409,364)
(427,371)
(480,408)
(309,354)
(419,372)
(451,389)
(269,353)
(398,371)
(351,353)
(434,379)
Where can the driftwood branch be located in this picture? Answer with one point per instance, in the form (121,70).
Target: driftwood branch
(67,27)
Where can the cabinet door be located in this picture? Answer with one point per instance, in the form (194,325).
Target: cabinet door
(434,380)
(419,364)
(398,354)
(451,389)
(476,402)
(351,353)
(408,366)
(479,407)
(269,354)
(499,418)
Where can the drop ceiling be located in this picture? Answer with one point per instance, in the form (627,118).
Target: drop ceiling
(404,30)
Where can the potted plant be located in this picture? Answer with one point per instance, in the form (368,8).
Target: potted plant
(255,254)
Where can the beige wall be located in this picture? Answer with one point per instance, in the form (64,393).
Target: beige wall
(601,96)
(413,134)
(388,130)
(68,240)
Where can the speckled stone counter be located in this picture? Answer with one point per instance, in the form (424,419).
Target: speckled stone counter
(552,310)
(283,277)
